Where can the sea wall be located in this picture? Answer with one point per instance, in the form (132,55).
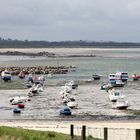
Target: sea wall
(38,69)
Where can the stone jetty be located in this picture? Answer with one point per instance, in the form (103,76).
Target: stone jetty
(38,69)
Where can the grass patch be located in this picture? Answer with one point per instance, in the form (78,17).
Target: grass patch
(9,133)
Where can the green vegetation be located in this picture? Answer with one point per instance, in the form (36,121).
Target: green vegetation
(8,133)
(9,43)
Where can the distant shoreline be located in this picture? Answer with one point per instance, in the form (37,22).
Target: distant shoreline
(44,54)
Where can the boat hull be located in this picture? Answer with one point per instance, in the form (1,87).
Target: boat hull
(6,78)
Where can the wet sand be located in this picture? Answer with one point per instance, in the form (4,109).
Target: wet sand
(93,104)
(72,51)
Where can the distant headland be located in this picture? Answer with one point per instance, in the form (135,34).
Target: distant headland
(10,43)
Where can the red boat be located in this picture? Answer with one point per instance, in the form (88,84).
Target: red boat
(21,75)
(135,77)
(21,105)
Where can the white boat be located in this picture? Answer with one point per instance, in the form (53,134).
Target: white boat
(68,99)
(121,104)
(122,76)
(114,95)
(119,83)
(106,86)
(18,99)
(112,76)
(35,89)
(67,88)
(6,75)
(73,84)
(72,104)
(64,94)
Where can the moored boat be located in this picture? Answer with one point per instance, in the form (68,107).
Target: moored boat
(121,104)
(114,95)
(72,104)
(18,99)
(65,111)
(73,84)
(21,75)
(17,110)
(122,76)
(21,105)
(135,77)
(96,77)
(6,75)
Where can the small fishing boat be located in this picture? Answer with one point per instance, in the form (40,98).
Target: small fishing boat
(114,95)
(73,84)
(135,77)
(122,76)
(67,99)
(67,88)
(17,110)
(112,76)
(96,77)
(6,75)
(20,105)
(65,111)
(121,104)
(36,88)
(106,86)
(18,99)
(21,75)
(72,104)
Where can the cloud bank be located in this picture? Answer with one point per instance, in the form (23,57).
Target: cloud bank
(116,20)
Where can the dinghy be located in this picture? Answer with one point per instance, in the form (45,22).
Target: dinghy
(65,111)
(6,75)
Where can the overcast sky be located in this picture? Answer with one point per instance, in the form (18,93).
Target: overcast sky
(56,20)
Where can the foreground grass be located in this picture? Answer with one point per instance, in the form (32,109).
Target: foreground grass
(8,133)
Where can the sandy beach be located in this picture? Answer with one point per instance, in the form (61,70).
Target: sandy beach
(118,129)
(70,51)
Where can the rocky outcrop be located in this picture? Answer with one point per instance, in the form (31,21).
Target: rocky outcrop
(16,53)
(38,69)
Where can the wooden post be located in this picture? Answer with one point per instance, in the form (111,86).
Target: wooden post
(137,134)
(83,132)
(105,133)
(72,131)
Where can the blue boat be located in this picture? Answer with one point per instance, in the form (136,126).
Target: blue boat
(65,111)
(6,75)
(30,78)
(17,110)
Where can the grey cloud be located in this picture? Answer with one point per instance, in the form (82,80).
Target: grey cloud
(70,19)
